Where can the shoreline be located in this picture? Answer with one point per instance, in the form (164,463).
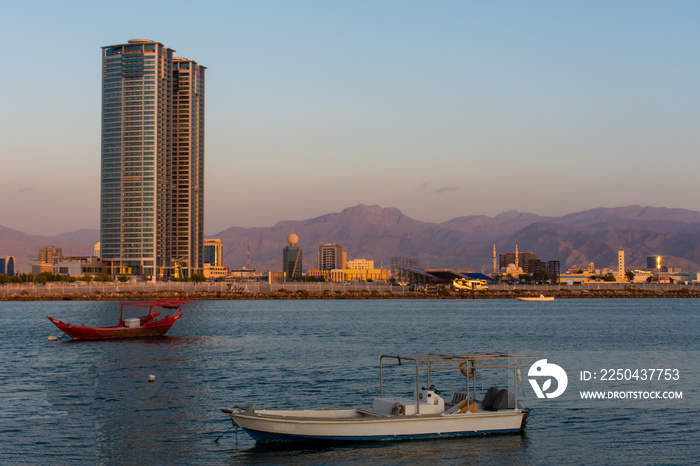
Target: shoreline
(349,294)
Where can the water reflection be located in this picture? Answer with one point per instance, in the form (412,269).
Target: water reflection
(136,417)
(493,449)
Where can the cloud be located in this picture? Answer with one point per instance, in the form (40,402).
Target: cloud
(446,189)
(424,184)
(25,190)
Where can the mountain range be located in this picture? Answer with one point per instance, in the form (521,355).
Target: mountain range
(463,243)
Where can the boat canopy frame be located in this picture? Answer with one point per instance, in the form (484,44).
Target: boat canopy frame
(469,364)
(153,305)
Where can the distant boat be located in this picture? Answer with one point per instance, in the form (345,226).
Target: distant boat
(539,298)
(148,325)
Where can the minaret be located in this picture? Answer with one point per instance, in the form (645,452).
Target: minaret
(516,256)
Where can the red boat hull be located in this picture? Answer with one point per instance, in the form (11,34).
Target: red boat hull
(148,325)
(154,329)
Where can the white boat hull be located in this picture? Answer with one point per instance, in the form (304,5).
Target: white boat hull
(541,298)
(354,425)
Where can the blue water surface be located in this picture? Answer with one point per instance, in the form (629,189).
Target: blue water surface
(72,402)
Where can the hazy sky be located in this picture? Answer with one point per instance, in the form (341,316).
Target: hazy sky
(439,108)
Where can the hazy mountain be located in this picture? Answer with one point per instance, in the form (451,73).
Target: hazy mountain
(26,247)
(373,232)
(81,236)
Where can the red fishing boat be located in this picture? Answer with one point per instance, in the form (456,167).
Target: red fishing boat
(149,325)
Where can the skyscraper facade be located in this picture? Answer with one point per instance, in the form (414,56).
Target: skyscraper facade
(152,191)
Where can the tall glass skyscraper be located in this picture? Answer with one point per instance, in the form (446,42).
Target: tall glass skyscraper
(152,195)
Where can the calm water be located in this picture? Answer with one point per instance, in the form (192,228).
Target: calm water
(91,402)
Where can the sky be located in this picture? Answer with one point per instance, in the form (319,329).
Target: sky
(440,109)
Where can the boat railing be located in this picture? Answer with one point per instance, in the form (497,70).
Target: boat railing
(399,363)
(468,364)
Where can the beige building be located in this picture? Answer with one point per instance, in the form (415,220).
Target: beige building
(319,274)
(620,275)
(80,265)
(365,275)
(360,264)
(213,272)
(352,275)
(50,254)
(35,268)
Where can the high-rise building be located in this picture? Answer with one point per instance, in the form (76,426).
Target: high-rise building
(494,269)
(554,271)
(292,258)
(50,255)
(213,252)
(656,262)
(620,265)
(519,259)
(331,257)
(10,266)
(188,165)
(152,195)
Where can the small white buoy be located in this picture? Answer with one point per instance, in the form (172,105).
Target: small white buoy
(151,378)
(52,338)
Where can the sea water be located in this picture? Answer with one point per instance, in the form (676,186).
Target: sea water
(92,402)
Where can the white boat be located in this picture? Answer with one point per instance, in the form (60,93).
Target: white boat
(538,298)
(424,415)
